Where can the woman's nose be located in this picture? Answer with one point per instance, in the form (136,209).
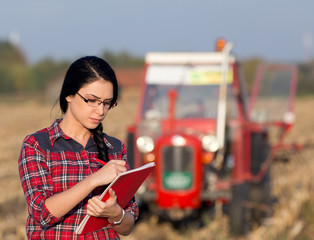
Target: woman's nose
(101,109)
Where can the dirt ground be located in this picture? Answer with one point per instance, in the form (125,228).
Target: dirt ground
(292,182)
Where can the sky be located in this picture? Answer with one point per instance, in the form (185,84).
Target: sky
(274,30)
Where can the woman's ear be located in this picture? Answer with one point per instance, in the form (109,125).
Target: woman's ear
(69,99)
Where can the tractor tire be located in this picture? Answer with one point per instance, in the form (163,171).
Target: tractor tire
(130,149)
(239,215)
(260,197)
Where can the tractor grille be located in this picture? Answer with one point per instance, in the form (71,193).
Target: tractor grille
(177,167)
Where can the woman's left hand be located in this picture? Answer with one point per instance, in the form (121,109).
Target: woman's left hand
(109,208)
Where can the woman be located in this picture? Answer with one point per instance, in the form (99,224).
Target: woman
(62,167)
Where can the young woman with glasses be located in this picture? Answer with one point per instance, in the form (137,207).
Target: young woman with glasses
(63,168)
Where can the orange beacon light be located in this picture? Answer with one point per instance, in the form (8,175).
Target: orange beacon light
(220,44)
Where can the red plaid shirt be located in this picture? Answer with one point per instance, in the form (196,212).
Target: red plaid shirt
(51,162)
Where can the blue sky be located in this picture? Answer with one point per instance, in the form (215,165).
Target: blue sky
(66,29)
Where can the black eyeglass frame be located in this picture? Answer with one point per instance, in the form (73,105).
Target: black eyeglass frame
(105,103)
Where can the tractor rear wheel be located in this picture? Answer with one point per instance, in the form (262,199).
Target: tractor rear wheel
(238,210)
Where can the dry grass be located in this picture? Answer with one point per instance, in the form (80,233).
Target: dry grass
(292,182)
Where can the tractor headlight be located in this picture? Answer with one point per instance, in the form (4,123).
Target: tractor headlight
(210,143)
(145,144)
(289,118)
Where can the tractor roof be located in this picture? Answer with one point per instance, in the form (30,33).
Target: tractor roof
(186,58)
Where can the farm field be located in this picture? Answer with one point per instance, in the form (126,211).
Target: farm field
(293,213)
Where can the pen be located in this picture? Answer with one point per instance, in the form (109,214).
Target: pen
(100,161)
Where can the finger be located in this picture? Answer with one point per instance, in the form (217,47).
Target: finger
(121,168)
(90,213)
(118,162)
(112,193)
(91,205)
(112,200)
(91,209)
(116,169)
(98,203)
(119,165)
(96,207)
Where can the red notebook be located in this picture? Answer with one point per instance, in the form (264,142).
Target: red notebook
(125,186)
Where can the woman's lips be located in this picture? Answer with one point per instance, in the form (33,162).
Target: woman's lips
(95,120)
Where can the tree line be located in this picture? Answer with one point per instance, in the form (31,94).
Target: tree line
(17,75)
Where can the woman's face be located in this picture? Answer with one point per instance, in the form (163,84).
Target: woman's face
(87,116)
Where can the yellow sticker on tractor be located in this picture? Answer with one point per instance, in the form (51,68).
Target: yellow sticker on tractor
(197,77)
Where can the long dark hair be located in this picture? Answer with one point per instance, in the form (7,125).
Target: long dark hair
(84,71)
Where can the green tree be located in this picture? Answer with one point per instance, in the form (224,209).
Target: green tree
(46,71)
(17,76)
(12,67)
(21,76)
(6,80)
(11,54)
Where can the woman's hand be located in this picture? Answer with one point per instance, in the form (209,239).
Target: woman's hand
(108,172)
(109,208)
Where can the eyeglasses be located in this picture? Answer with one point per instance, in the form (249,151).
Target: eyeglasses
(97,102)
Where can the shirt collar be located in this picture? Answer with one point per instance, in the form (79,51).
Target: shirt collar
(55,132)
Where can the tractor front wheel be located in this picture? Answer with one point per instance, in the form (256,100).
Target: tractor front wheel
(260,198)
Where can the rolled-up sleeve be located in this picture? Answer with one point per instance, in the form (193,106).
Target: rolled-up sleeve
(132,207)
(36,182)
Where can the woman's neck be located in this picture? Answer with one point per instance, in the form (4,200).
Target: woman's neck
(75,130)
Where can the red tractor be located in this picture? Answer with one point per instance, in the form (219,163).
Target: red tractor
(210,142)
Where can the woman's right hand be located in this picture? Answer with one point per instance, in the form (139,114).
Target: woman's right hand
(108,172)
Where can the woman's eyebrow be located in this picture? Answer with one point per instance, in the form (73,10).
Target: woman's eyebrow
(93,95)
(99,97)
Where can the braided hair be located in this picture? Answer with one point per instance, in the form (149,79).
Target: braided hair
(84,71)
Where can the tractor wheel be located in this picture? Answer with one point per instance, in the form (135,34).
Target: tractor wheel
(238,210)
(130,149)
(260,197)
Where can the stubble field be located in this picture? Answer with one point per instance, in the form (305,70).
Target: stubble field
(293,214)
